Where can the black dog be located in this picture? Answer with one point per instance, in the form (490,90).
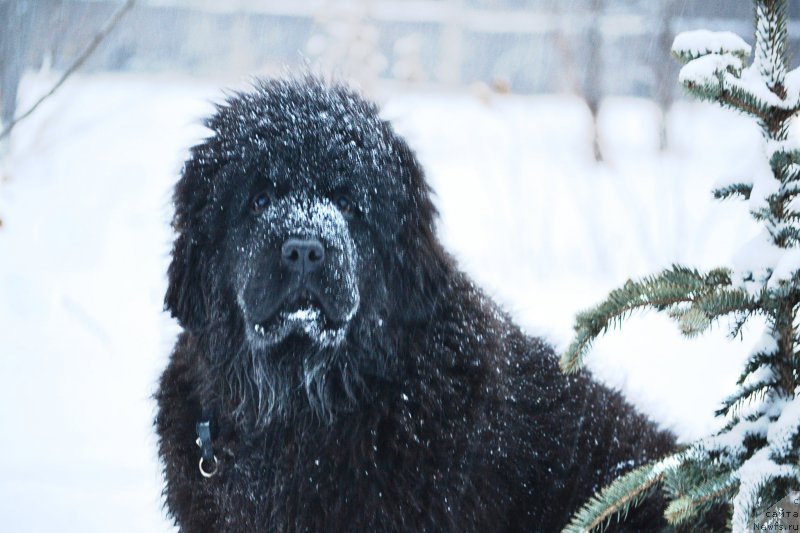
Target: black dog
(337,370)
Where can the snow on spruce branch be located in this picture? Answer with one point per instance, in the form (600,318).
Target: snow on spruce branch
(715,66)
(690,45)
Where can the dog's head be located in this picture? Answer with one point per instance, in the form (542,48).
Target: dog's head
(296,266)
(304,235)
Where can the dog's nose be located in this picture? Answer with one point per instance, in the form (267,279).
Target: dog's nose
(302,256)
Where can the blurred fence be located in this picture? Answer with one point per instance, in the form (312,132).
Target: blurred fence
(524,46)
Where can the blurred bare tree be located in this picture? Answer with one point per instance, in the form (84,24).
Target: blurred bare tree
(44,10)
(581,64)
(664,69)
(592,88)
(16,17)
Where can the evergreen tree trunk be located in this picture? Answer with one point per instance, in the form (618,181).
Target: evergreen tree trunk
(770,59)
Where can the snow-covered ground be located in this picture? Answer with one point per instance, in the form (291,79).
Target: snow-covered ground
(85,240)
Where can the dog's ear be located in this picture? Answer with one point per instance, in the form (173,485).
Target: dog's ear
(423,263)
(186,296)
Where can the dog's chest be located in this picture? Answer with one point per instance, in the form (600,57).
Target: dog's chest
(347,477)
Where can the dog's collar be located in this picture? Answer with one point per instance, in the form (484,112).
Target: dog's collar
(207,457)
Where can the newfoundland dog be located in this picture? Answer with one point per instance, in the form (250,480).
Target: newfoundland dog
(336,370)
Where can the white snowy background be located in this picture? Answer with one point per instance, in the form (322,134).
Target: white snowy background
(84,247)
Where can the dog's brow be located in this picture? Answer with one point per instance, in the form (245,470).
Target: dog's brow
(263,176)
(340,184)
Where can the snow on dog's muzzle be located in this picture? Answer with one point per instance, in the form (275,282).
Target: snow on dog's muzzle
(299,275)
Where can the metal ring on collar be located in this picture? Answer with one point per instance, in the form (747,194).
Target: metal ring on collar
(210,473)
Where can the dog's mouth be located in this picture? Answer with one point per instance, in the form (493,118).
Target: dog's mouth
(304,314)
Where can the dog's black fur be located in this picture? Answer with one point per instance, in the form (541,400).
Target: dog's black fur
(372,389)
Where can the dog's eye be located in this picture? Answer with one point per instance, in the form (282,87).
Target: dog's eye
(344,204)
(260,202)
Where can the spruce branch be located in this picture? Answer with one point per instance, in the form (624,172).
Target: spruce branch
(787,236)
(691,45)
(618,498)
(734,189)
(785,163)
(791,187)
(703,495)
(724,301)
(726,88)
(756,360)
(727,92)
(746,395)
(691,320)
(740,318)
(678,285)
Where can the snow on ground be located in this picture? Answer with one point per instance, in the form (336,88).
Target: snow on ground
(85,242)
